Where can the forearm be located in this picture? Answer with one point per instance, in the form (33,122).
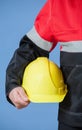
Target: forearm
(26,53)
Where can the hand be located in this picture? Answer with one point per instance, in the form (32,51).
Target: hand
(19,97)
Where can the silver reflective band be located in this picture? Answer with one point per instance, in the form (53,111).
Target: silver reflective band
(72,46)
(35,37)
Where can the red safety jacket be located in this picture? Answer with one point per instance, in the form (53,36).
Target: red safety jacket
(60,21)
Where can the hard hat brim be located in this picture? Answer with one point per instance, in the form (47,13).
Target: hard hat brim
(47,98)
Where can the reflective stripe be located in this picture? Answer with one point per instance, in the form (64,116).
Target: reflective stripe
(72,46)
(39,41)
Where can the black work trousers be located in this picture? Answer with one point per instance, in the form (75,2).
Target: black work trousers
(63,126)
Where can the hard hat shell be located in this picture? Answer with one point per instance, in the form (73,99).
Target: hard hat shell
(43,81)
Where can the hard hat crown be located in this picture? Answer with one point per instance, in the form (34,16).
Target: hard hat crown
(43,81)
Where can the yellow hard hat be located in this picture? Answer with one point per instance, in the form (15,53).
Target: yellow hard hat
(43,81)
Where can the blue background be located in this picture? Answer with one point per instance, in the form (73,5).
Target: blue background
(16,18)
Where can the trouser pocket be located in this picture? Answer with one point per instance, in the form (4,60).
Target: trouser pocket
(73,79)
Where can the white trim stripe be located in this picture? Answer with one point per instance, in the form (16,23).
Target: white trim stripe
(39,41)
(72,46)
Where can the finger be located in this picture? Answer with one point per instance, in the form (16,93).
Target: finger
(19,102)
(23,95)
